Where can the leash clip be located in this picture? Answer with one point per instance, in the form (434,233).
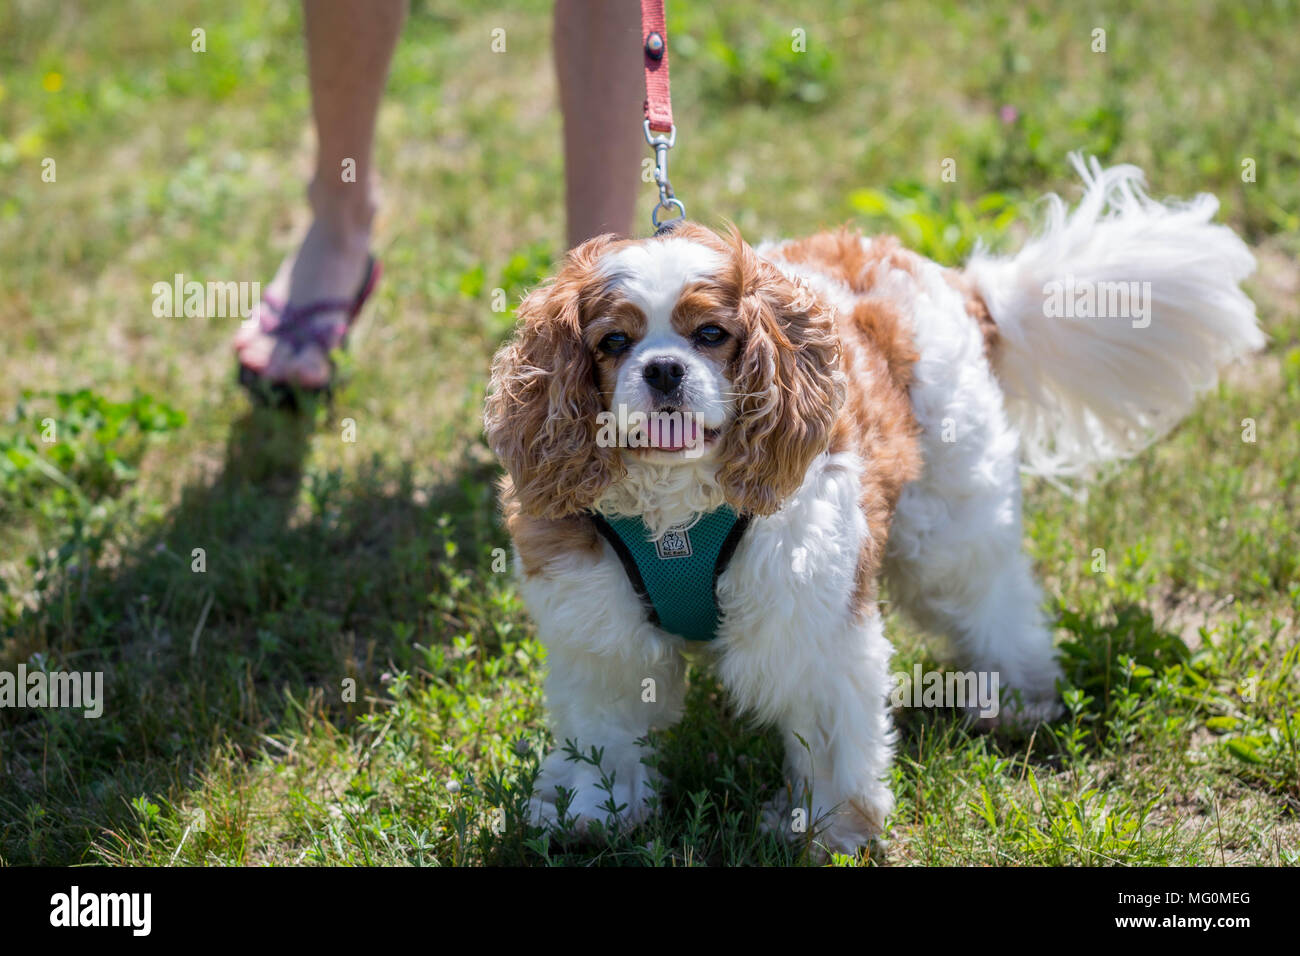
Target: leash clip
(667,198)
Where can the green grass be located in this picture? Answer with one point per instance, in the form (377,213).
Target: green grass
(349,679)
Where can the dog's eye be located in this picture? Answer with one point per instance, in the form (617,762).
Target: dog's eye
(614,343)
(710,334)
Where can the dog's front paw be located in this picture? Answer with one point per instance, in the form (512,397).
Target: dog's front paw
(778,819)
(575,793)
(844,827)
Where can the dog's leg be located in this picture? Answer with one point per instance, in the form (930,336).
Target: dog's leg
(956,566)
(611,678)
(801,649)
(954,560)
(608,704)
(982,595)
(832,710)
(839,745)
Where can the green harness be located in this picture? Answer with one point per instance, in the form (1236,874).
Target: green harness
(677,575)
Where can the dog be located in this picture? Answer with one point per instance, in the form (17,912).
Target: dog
(718,451)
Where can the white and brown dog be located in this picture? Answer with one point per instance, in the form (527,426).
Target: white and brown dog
(849,409)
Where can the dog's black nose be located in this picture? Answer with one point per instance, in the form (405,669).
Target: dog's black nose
(664,375)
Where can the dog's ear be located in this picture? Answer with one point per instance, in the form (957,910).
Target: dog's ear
(543,402)
(788,384)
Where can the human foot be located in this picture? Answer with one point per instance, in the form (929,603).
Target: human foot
(307,308)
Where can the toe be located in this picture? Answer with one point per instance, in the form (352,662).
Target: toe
(309,368)
(256,352)
(245,335)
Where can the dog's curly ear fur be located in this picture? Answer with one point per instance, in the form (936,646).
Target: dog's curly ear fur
(788,382)
(543,403)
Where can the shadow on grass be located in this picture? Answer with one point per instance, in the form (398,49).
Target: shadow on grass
(1092,658)
(1093,655)
(271,583)
(265,579)
(240,618)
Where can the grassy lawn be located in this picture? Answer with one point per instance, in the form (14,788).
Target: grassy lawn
(310,654)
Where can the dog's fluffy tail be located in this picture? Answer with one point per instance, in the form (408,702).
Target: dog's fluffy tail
(1082,383)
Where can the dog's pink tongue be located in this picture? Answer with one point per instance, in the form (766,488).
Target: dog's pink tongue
(669,433)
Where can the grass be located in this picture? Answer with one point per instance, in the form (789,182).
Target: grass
(311,653)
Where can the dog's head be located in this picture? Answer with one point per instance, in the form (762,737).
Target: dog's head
(675,350)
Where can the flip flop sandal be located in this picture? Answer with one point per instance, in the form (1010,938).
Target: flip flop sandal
(295,325)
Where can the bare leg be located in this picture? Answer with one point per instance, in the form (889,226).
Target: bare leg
(349,46)
(598,62)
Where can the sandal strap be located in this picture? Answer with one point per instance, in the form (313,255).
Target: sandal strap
(295,325)
(298,328)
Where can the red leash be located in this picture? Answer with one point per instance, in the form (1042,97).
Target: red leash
(654,41)
(659,109)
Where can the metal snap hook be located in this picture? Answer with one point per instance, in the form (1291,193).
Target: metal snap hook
(668,203)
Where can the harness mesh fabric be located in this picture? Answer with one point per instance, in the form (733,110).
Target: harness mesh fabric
(676,575)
